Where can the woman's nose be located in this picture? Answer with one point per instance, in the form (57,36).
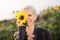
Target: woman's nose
(29,20)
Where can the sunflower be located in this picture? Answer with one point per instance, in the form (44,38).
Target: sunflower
(59,7)
(52,9)
(44,11)
(21,17)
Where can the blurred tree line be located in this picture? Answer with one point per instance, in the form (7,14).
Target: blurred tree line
(48,19)
(7,29)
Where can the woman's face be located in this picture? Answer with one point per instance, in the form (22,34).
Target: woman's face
(31,17)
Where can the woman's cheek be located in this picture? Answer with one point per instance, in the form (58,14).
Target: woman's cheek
(29,20)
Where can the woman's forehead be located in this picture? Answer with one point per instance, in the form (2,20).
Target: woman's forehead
(29,12)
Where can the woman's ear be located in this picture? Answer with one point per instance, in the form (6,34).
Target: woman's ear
(35,17)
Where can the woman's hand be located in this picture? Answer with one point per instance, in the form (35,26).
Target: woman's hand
(18,24)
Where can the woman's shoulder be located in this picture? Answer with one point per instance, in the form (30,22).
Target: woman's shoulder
(44,32)
(41,29)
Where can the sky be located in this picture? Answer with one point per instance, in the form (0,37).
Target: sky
(8,6)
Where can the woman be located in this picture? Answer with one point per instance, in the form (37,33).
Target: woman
(33,32)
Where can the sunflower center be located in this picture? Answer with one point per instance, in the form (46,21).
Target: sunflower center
(21,17)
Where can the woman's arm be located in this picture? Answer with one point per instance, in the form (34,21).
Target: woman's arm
(20,35)
(48,35)
(22,32)
(43,34)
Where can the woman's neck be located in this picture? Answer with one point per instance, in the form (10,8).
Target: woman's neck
(31,25)
(30,30)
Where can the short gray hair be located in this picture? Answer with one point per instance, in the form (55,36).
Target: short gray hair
(31,8)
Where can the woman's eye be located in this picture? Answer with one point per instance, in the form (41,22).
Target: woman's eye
(30,15)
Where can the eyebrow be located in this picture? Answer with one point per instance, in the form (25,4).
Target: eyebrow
(29,15)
